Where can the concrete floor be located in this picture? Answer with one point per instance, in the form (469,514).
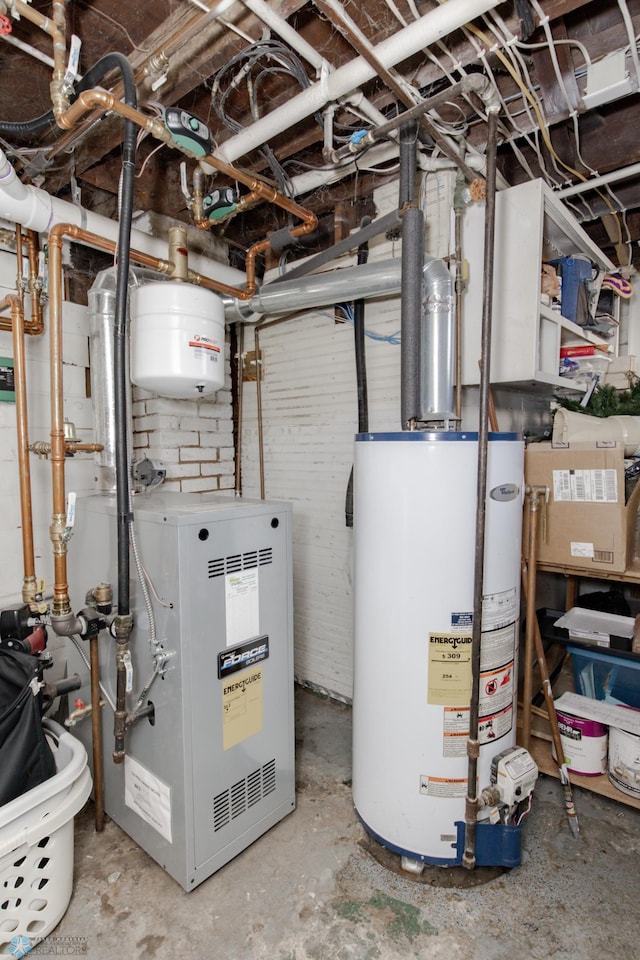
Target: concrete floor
(311,890)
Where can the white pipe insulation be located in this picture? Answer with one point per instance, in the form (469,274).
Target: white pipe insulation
(37,210)
(334,85)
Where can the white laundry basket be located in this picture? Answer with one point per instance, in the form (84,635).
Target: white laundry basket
(36,845)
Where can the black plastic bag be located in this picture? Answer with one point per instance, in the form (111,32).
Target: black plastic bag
(26,759)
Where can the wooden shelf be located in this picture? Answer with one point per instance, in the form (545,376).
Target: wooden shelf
(631,574)
(541,752)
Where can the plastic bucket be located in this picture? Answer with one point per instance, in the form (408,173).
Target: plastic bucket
(624,761)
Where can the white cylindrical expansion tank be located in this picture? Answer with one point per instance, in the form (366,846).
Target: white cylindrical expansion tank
(177,339)
(415,510)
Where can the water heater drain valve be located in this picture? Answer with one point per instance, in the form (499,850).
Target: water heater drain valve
(514,772)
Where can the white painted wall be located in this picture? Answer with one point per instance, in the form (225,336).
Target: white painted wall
(309,406)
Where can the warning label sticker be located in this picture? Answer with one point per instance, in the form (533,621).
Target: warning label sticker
(449,682)
(148,796)
(495,725)
(442,787)
(499,609)
(455,731)
(242,698)
(496,689)
(497,647)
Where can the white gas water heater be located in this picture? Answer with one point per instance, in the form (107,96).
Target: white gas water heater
(415,495)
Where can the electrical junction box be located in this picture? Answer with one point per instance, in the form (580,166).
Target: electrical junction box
(214,770)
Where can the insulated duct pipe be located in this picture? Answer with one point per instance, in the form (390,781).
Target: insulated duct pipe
(411,316)
(473,746)
(39,211)
(437,361)
(318,290)
(405,43)
(411,291)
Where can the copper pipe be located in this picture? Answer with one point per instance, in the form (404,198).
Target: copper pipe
(237,333)
(192,26)
(96,734)
(36,325)
(19,270)
(529,584)
(44,23)
(256,341)
(22,427)
(59,97)
(258,189)
(61,602)
(56,28)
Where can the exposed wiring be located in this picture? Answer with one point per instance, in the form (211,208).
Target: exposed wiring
(521,45)
(524,813)
(90,8)
(544,132)
(346,309)
(251,68)
(146,161)
(163,603)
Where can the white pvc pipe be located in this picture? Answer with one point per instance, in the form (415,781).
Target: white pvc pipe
(37,210)
(405,43)
(286,32)
(623,174)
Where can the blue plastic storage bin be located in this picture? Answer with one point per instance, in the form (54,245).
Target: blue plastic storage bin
(603,676)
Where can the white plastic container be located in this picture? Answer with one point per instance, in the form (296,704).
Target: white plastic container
(36,844)
(177,339)
(624,761)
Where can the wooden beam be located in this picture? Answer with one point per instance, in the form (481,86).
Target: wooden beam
(558,8)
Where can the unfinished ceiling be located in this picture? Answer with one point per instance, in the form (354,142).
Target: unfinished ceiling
(567,73)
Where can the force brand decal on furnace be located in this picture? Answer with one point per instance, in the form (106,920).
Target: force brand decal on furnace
(253,651)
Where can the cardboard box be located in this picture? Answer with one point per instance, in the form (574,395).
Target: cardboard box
(588,524)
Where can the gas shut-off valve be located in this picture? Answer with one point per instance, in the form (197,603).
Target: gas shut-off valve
(513,777)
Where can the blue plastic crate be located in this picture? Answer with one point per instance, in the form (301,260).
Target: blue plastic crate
(606,677)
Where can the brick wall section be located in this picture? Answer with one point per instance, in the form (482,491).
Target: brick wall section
(193,438)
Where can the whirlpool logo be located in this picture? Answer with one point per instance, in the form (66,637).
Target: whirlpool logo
(245,655)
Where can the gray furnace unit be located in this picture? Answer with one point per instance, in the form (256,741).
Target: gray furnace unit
(214,767)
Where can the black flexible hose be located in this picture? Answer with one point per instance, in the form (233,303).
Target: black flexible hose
(361,372)
(358,334)
(93,76)
(120,374)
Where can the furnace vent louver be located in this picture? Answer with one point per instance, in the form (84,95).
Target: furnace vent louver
(240,561)
(237,799)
